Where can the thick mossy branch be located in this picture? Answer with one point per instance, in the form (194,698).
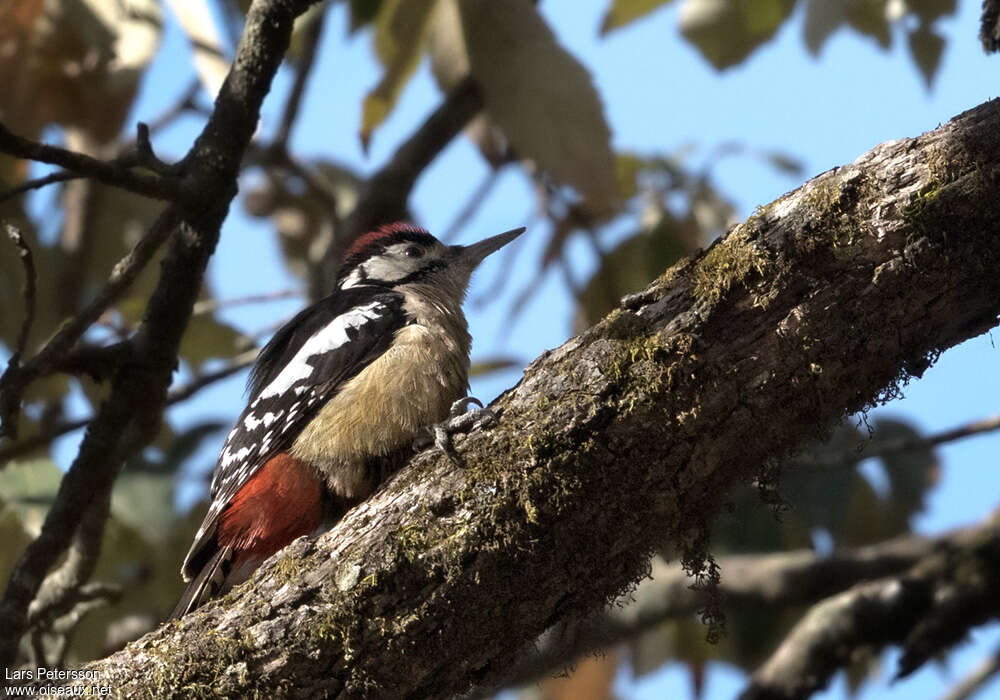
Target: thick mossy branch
(625,438)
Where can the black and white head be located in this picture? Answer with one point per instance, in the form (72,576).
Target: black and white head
(401,253)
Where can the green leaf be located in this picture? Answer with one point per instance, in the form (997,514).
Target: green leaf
(929,11)
(207,337)
(823,18)
(145,502)
(400,29)
(541,97)
(176,448)
(623,12)
(911,474)
(927,48)
(446,45)
(363,12)
(28,488)
(727,31)
(869,18)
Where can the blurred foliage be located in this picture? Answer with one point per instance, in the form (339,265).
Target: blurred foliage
(144,540)
(72,69)
(831,500)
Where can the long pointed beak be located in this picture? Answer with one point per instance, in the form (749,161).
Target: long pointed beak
(472,255)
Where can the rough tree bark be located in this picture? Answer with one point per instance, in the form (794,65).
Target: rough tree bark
(623,439)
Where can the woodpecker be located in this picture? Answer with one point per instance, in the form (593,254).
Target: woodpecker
(337,399)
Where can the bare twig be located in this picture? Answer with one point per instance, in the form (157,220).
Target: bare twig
(181,393)
(40,182)
(880,448)
(116,172)
(776,580)
(209,306)
(185,103)
(14,382)
(303,68)
(989,28)
(237,364)
(471,206)
(29,290)
(10,401)
(926,610)
(145,156)
(975,681)
(59,593)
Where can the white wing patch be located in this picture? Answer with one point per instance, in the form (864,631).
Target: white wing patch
(332,336)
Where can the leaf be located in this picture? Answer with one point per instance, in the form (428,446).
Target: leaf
(211,60)
(74,62)
(207,337)
(541,97)
(176,448)
(446,45)
(927,48)
(869,18)
(911,474)
(145,502)
(929,11)
(623,12)
(28,488)
(628,166)
(400,29)
(363,12)
(823,18)
(301,216)
(784,163)
(726,31)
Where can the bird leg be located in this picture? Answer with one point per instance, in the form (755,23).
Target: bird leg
(461,419)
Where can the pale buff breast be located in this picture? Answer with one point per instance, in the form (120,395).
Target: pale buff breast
(409,387)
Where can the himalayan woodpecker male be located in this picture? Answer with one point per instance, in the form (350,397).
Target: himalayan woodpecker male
(337,398)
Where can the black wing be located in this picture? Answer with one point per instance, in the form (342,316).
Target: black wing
(297,372)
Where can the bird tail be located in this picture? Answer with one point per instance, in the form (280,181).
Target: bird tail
(207,584)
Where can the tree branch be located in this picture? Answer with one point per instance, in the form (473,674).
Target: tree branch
(30,281)
(989,28)
(117,172)
(303,67)
(776,580)
(926,610)
(181,393)
(975,681)
(624,439)
(132,414)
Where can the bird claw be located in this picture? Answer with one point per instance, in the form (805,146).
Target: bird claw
(461,419)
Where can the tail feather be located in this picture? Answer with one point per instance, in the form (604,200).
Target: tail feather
(207,584)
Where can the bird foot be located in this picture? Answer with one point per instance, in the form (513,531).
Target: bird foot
(461,419)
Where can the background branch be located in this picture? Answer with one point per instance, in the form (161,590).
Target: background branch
(117,172)
(926,610)
(775,580)
(177,395)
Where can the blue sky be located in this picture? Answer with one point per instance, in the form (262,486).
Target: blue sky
(659,95)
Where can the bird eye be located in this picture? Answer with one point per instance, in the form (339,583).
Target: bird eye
(413,251)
